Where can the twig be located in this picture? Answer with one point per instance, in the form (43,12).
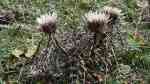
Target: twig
(9,72)
(84,79)
(38,47)
(115,59)
(21,70)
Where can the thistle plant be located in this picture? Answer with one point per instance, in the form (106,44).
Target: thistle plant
(47,24)
(102,22)
(99,23)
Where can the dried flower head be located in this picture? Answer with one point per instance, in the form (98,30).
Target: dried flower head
(47,23)
(97,22)
(112,11)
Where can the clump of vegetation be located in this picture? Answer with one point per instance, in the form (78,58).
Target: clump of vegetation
(98,47)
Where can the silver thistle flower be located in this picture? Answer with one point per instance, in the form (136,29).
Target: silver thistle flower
(97,22)
(47,23)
